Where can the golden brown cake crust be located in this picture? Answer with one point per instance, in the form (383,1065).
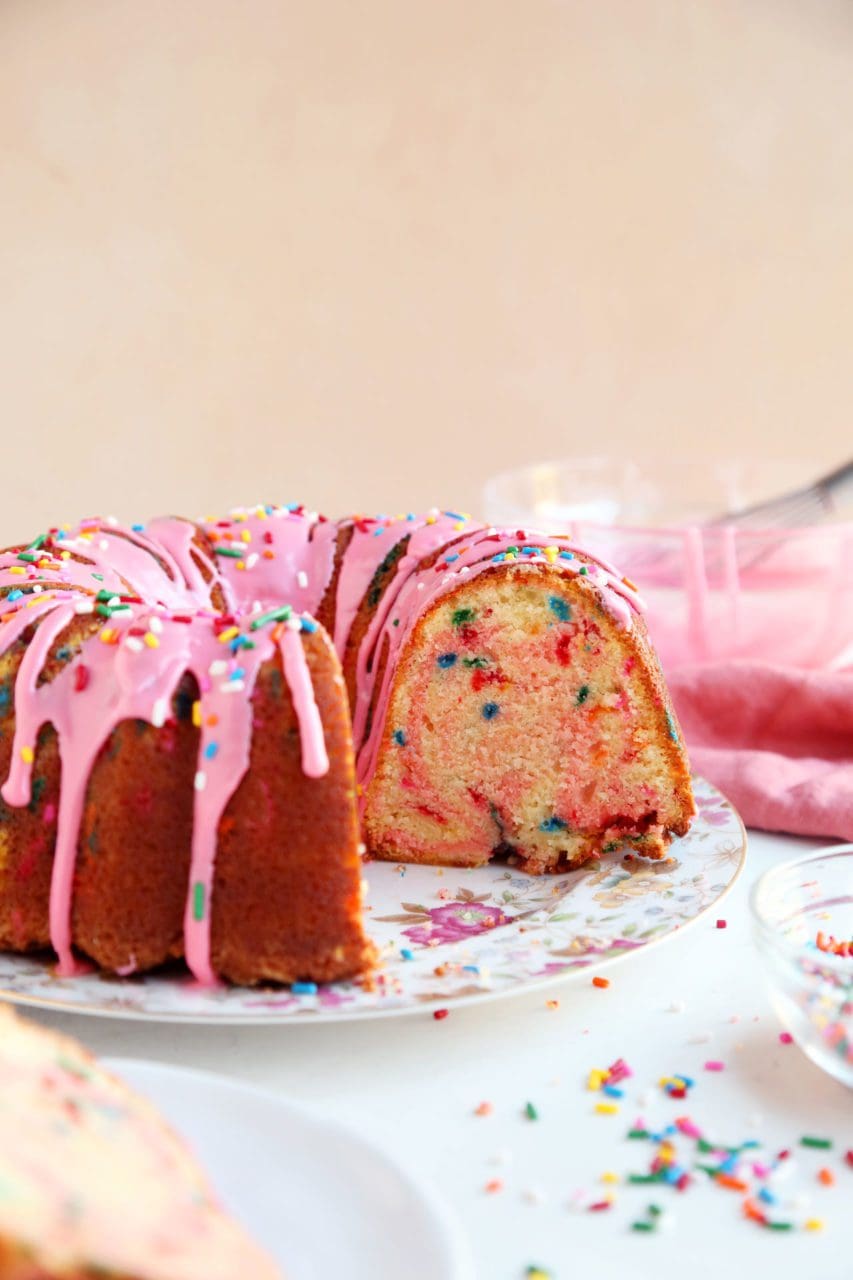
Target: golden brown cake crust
(287,904)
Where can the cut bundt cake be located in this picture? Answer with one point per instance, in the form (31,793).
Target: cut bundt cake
(94,1184)
(180,772)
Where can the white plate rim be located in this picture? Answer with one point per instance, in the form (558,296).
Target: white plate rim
(448,1227)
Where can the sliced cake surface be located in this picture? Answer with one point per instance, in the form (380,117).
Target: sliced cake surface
(92,1181)
(523,718)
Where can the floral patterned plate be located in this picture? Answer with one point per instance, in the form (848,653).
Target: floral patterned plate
(449,935)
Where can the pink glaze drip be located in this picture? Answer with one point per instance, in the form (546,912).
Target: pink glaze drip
(217,779)
(372,540)
(147,566)
(117,690)
(289,558)
(175,537)
(159,568)
(28,721)
(315,759)
(226,699)
(262,558)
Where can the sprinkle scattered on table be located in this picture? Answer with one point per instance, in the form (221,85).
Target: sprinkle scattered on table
(655,1218)
(676,1086)
(610,1078)
(682,1152)
(601,982)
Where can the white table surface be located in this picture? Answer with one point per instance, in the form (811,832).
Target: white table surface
(413,1083)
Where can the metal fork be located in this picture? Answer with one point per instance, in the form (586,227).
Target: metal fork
(811,504)
(714,559)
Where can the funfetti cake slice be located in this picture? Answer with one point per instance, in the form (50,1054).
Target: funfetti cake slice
(93,1183)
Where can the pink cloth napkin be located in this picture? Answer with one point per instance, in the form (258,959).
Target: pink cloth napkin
(777,741)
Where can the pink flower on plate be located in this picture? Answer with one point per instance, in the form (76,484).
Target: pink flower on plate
(455,922)
(329,998)
(711,813)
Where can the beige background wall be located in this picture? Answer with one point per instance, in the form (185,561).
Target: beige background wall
(365,253)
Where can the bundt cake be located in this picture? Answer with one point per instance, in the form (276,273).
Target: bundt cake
(175,736)
(93,1183)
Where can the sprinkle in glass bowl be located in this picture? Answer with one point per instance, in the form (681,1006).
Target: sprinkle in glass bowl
(802,915)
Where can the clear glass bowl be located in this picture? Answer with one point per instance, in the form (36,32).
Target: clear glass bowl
(713,591)
(811,989)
